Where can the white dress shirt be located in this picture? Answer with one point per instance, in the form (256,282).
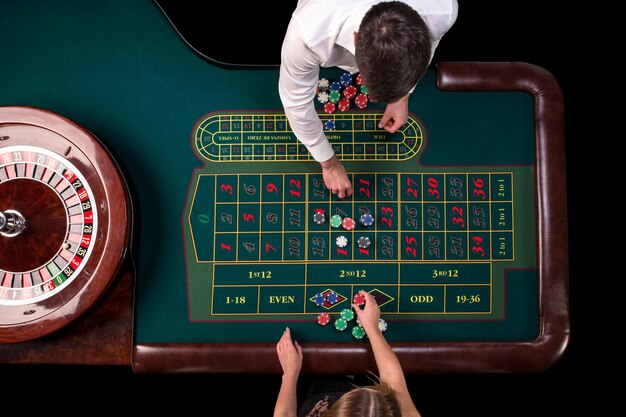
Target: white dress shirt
(321,33)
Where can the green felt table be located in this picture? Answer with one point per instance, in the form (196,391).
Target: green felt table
(468,247)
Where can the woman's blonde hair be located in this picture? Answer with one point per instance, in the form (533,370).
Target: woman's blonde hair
(378,400)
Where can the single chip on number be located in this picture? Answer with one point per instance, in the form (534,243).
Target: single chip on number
(348,223)
(319,218)
(364,242)
(366,219)
(342,241)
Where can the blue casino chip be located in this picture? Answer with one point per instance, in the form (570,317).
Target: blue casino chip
(319,299)
(332,297)
(367,219)
(346,79)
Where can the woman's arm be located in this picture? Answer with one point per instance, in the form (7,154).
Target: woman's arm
(290,357)
(389,368)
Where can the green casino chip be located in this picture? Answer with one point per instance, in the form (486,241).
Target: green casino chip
(358,332)
(347,314)
(335,221)
(341,324)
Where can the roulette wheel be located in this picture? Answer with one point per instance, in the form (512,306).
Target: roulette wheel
(65,222)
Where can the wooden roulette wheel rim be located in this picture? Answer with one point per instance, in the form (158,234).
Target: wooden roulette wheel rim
(74,212)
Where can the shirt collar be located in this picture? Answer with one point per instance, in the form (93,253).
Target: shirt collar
(351,25)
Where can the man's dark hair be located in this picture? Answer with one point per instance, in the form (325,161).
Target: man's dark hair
(393,50)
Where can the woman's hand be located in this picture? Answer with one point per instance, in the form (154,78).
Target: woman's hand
(369,314)
(289,354)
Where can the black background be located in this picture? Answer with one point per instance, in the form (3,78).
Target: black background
(531,31)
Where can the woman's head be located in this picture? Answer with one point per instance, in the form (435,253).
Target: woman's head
(393,50)
(375,401)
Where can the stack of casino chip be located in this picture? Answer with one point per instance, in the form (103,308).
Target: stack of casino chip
(323,85)
(343,104)
(339,95)
(361,99)
(349,92)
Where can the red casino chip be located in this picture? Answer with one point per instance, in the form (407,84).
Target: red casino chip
(323,319)
(329,107)
(349,92)
(359,299)
(348,223)
(361,101)
(343,104)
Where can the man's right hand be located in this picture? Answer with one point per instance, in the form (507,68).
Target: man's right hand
(335,177)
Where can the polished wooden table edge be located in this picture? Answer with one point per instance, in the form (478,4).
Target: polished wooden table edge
(450,357)
(102,336)
(348,358)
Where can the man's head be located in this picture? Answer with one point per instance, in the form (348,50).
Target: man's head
(393,49)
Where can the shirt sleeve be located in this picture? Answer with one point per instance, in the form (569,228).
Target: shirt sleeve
(438,25)
(297,85)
